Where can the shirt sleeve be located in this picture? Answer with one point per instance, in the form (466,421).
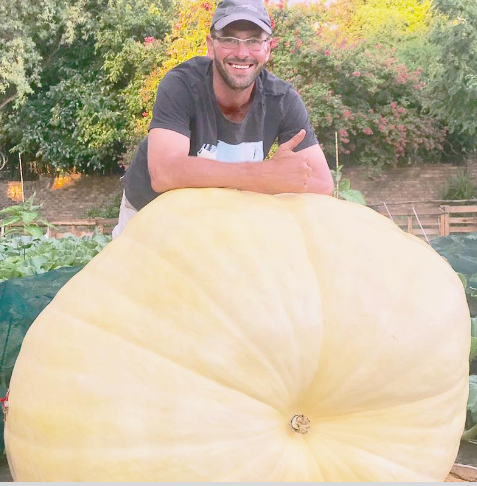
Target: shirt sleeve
(295,117)
(173,108)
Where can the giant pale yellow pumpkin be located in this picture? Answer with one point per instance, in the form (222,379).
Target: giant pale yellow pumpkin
(238,336)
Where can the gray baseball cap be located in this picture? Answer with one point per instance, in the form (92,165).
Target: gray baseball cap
(229,11)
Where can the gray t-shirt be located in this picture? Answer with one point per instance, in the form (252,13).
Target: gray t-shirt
(186,104)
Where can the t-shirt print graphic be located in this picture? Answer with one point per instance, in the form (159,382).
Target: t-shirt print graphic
(226,152)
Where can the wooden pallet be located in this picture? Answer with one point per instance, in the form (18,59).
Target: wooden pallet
(431,223)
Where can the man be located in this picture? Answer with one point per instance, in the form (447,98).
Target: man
(216,117)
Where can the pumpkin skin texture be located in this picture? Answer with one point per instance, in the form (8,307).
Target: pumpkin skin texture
(183,350)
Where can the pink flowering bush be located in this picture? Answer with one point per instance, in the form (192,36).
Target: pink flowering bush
(361,91)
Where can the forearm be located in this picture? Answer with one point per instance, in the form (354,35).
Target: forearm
(196,172)
(320,183)
(286,171)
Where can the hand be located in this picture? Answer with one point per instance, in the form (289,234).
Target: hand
(287,171)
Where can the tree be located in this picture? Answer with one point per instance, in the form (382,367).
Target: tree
(356,88)
(186,40)
(452,90)
(74,104)
(31,34)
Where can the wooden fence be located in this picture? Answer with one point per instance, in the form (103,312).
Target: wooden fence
(426,223)
(433,222)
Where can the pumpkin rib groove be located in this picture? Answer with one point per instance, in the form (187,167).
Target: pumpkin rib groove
(286,447)
(171,361)
(306,245)
(457,385)
(383,458)
(225,319)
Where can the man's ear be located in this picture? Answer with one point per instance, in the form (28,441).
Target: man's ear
(210,47)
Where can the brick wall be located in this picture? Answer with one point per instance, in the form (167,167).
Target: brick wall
(70,201)
(414,183)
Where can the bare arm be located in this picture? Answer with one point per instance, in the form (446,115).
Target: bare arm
(287,171)
(320,181)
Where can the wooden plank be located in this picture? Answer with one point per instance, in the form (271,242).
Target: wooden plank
(444,224)
(418,231)
(429,212)
(461,209)
(431,224)
(463,229)
(458,220)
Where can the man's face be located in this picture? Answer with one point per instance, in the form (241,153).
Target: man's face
(239,67)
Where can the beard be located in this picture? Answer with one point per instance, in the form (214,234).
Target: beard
(238,81)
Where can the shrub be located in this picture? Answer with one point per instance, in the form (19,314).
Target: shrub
(461,187)
(359,90)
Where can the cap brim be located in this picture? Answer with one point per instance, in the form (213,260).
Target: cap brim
(220,24)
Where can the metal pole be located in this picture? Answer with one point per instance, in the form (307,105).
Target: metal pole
(390,215)
(422,229)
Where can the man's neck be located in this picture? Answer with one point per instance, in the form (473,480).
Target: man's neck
(232,103)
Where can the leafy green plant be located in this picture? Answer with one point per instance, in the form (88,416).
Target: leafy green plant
(452,83)
(473,339)
(22,256)
(343,187)
(470,285)
(461,253)
(75,70)
(471,433)
(110,211)
(462,186)
(23,218)
(359,89)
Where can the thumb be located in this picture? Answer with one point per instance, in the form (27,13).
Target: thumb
(294,141)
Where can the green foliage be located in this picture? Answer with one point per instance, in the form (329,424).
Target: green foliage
(110,211)
(392,19)
(79,107)
(23,218)
(358,89)
(452,85)
(461,187)
(31,34)
(23,256)
(343,187)
(473,338)
(461,252)
(190,25)
(78,77)
(471,425)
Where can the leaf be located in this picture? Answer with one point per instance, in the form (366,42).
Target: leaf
(473,349)
(34,231)
(344,185)
(353,195)
(29,216)
(37,262)
(463,279)
(472,401)
(473,338)
(11,209)
(10,220)
(42,221)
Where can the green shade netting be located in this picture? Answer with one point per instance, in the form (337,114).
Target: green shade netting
(21,301)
